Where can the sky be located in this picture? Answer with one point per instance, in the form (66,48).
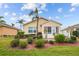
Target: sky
(65,13)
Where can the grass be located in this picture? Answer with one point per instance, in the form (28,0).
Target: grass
(6,50)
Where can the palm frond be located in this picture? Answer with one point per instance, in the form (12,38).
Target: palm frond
(31,13)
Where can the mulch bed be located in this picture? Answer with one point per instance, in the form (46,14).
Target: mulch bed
(47,45)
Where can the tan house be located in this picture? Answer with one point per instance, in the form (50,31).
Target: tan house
(6,29)
(68,31)
(51,26)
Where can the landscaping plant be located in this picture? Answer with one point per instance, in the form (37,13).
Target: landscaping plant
(39,43)
(15,43)
(23,44)
(59,38)
(51,42)
(30,40)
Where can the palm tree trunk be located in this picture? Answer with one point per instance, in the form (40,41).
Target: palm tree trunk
(37,27)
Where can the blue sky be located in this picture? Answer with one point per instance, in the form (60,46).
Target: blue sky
(65,13)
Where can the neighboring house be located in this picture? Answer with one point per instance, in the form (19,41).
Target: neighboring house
(68,31)
(51,26)
(6,29)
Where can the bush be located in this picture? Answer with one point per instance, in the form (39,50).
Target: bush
(15,43)
(71,40)
(20,34)
(23,44)
(51,42)
(30,40)
(39,43)
(59,38)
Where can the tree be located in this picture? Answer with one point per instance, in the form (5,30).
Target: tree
(21,22)
(12,24)
(2,21)
(35,15)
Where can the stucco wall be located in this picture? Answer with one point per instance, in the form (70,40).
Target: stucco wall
(7,31)
(41,22)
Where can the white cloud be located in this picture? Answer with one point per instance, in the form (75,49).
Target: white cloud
(1,5)
(6,14)
(25,17)
(6,6)
(40,12)
(57,17)
(50,17)
(60,10)
(31,6)
(75,4)
(69,15)
(43,7)
(72,9)
(13,18)
(13,14)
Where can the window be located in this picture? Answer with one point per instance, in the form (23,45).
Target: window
(32,30)
(57,30)
(47,30)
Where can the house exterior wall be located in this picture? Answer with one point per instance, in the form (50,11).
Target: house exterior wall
(7,31)
(42,24)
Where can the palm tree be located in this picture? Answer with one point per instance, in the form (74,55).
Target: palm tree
(2,21)
(35,15)
(12,24)
(21,22)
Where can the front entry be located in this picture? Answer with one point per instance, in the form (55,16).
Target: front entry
(48,32)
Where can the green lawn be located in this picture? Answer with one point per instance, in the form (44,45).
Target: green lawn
(6,50)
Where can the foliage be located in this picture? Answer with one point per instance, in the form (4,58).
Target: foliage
(59,38)
(39,43)
(15,43)
(40,36)
(5,50)
(30,40)
(75,33)
(71,40)
(20,34)
(23,44)
(51,42)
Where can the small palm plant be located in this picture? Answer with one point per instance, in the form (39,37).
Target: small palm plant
(21,22)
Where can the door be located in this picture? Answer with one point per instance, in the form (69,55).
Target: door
(48,32)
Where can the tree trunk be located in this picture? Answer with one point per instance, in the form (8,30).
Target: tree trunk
(37,27)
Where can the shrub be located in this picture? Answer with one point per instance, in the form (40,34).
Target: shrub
(71,40)
(39,43)
(23,44)
(75,33)
(59,38)
(51,42)
(30,40)
(20,34)
(15,43)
